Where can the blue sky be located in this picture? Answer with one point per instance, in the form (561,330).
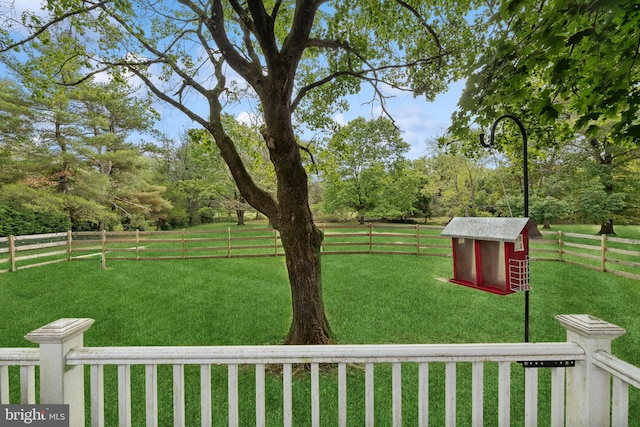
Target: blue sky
(420,121)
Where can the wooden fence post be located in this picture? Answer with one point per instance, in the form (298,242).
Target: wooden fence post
(184,248)
(104,250)
(603,248)
(59,382)
(69,243)
(228,242)
(137,245)
(275,242)
(560,245)
(370,238)
(12,252)
(417,239)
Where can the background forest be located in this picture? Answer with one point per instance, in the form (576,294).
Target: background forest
(86,157)
(79,151)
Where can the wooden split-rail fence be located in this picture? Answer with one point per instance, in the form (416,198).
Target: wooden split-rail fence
(607,254)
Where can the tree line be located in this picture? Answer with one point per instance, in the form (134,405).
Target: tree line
(91,160)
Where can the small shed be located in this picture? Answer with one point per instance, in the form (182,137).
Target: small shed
(491,254)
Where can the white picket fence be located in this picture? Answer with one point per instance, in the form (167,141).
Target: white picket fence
(582,390)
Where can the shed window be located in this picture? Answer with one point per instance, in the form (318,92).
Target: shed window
(518,245)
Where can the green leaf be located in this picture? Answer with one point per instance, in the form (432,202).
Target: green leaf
(582,121)
(577,37)
(633,131)
(592,130)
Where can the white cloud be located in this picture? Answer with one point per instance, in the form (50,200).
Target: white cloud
(340,119)
(422,121)
(248,118)
(418,120)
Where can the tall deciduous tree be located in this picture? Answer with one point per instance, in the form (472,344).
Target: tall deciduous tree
(359,162)
(294,57)
(190,174)
(455,185)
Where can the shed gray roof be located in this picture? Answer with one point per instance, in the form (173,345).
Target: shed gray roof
(497,229)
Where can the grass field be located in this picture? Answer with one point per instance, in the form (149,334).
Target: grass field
(369,299)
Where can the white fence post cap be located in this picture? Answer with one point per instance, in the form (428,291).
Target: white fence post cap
(590,326)
(59,330)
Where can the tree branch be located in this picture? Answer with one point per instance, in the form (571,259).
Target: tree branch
(51,23)
(161,57)
(255,196)
(361,74)
(161,94)
(313,160)
(424,23)
(296,41)
(251,72)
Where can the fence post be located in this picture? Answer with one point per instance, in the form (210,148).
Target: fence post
(588,393)
(59,383)
(69,243)
(12,252)
(137,244)
(103,261)
(275,242)
(184,247)
(560,245)
(603,247)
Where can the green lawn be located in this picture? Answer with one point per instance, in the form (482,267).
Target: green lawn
(369,299)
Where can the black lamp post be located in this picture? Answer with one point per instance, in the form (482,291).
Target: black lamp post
(525,169)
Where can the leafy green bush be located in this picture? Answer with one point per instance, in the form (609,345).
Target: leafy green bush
(17,220)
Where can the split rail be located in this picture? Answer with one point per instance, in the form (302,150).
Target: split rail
(607,254)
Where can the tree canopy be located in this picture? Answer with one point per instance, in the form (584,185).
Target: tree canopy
(571,72)
(360,163)
(558,59)
(66,147)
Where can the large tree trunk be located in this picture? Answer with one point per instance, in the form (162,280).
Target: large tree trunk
(602,153)
(289,212)
(309,325)
(240,216)
(607,227)
(301,240)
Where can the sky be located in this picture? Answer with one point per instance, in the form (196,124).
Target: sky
(419,120)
